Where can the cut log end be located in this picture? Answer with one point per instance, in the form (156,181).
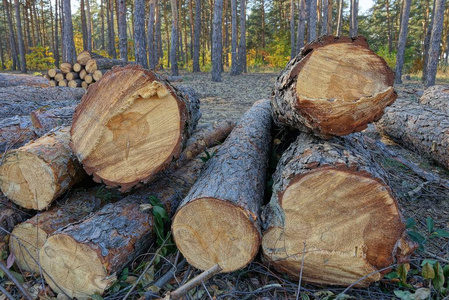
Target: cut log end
(358,237)
(231,244)
(25,242)
(87,273)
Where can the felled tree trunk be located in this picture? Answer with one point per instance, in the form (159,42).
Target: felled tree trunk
(72,76)
(436,96)
(66,68)
(84,57)
(332,212)
(15,131)
(218,221)
(103,64)
(418,127)
(10,80)
(144,128)
(23,100)
(52,72)
(334,87)
(10,215)
(45,119)
(37,173)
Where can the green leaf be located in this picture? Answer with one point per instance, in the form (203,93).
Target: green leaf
(402,272)
(430,223)
(392,275)
(404,295)
(440,233)
(410,223)
(124,275)
(422,294)
(438,281)
(2,274)
(428,261)
(418,238)
(18,276)
(446,271)
(96,297)
(427,271)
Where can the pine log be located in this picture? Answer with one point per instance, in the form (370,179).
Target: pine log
(34,175)
(332,212)
(218,221)
(88,78)
(63,82)
(66,68)
(20,101)
(59,77)
(84,85)
(45,119)
(52,72)
(53,83)
(77,67)
(418,127)
(72,76)
(98,74)
(74,83)
(335,86)
(170,188)
(15,131)
(103,64)
(436,96)
(10,216)
(145,127)
(84,57)
(11,80)
(83,73)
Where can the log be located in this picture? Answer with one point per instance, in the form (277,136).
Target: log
(77,67)
(84,57)
(83,73)
(22,100)
(74,83)
(144,128)
(332,213)
(53,83)
(170,188)
(63,82)
(98,74)
(72,76)
(330,94)
(15,131)
(88,78)
(45,119)
(11,80)
(34,175)
(52,72)
(10,215)
(436,96)
(418,127)
(84,85)
(66,68)
(59,77)
(103,63)
(218,221)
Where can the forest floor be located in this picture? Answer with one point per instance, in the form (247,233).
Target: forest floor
(418,200)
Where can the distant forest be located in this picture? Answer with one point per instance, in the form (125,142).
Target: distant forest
(209,35)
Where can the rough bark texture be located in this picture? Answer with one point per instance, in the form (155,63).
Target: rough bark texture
(436,96)
(10,80)
(69,54)
(312,21)
(420,128)
(44,119)
(144,128)
(292,29)
(219,223)
(15,131)
(217,43)
(242,43)
(435,40)
(301,32)
(196,38)
(323,92)
(332,211)
(140,39)
(340,17)
(174,39)
(234,54)
(402,40)
(103,64)
(353,25)
(151,47)
(10,216)
(122,35)
(12,38)
(22,100)
(23,67)
(34,175)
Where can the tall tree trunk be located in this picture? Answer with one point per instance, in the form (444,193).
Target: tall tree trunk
(12,38)
(235,62)
(167,34)
(158,36)
(89,27)
(38,26)
(389,30)
(427,44)
(151,49)
(402,40)
(174,39)
(301,31)
(191,27)
(292,29)
(83,23)
(197,36)
(44,27)
(312,20)
(435,41)
(353,26)
(329,17)
(102,25)
(28,21)
(262,21)
(140,39)
(52,26)
(217,46)
(70,54)
(324,21)
(2,56)
(23,67)
(242,44)
(122,35)
(340,17)
(111,34)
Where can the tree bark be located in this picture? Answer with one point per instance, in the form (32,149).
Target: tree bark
(418,127)
(12,37)
(89,27)
(197,36)
(140,39)
(15,131)
(234,54)
(402,41)
(151,48)
(11,80)
(317,224)
(333,102)
(242,44)
(10,215)
(219,224)
(23,67)
(427,44)
(111,35)
(436,96)
(435,40)
(45,119)
(123,130)
(312,20)
(217,43)
(56,51)
(353,25)
(34,175)
(102,39)
(292,29)
(301,33)
(122,34)
(174,39)
(340,17)
(69,45)
(324,20)
(158,37)
(83,24)
(104,63)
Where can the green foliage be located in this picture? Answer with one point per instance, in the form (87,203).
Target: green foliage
(39,58)
(390,58)
(431,232)
(208,155)
(161,222)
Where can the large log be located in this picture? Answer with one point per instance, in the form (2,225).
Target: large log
(84,57)
(15,131)
(103,63)
(145,127)
(10,80)
(37,173)
(332,214)
(218,221)
(436,96)
(45,119)
(66,68)
(418,127)
(52,72)
(23,100)
(335,86)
